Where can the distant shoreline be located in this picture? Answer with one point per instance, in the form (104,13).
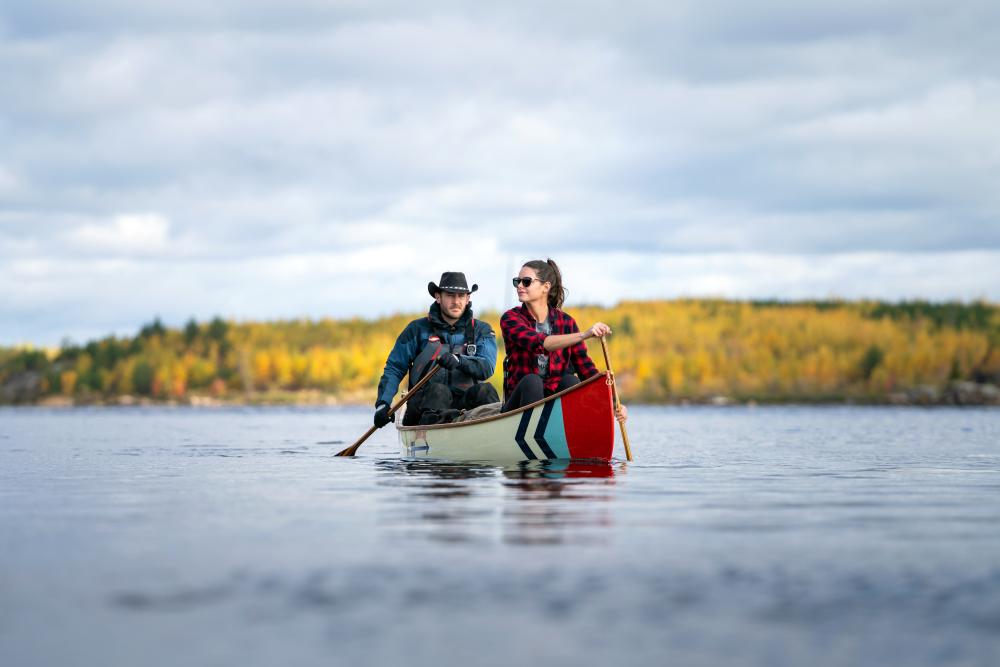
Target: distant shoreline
(956,394)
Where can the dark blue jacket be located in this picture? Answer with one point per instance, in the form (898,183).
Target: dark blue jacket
(415,336)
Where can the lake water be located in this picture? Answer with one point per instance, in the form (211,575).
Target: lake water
(756,536)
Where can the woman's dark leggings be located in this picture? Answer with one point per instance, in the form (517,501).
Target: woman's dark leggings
(531,389)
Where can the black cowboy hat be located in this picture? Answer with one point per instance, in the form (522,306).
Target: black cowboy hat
(451,281)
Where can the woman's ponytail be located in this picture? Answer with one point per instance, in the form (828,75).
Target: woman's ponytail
(548,271)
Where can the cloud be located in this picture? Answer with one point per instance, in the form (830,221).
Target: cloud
(9,181)
(126,234)
(269,142)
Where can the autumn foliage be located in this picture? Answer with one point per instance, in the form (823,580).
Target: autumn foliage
(662,351)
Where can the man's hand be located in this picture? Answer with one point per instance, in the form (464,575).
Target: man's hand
(382,416)
(448,361)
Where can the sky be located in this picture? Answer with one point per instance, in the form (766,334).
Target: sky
(311,158)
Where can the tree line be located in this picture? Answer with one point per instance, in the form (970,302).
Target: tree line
(662,351)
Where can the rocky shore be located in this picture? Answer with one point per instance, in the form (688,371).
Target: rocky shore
(27,388)
(954,393)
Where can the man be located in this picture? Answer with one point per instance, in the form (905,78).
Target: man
(465,348)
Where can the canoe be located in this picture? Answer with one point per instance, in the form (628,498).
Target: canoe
(577,423)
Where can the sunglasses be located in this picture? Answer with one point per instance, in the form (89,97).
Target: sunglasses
(526,282)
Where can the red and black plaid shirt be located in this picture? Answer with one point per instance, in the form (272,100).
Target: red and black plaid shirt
(524,343)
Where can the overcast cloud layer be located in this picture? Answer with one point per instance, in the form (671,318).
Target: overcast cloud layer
(310,158)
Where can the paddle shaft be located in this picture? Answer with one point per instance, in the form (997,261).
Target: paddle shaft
(618,403)
(353,448)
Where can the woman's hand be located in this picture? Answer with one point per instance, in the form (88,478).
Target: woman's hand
(622,413)
(598,330)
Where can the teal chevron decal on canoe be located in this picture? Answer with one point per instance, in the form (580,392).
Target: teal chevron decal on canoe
(555,432)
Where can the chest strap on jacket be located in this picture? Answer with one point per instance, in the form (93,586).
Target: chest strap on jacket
(470,335)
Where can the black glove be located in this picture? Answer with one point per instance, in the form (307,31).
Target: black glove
(469,366)
(449,361)
(382,416)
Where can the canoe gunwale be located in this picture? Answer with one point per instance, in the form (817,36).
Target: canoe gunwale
(504,415)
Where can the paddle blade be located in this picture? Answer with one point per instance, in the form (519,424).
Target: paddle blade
(349,451)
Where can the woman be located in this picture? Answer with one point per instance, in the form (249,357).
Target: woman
(544,345)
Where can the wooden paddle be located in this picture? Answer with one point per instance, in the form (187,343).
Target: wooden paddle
(618,403)
(353,448)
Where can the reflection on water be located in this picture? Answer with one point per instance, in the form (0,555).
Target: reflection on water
(432,479)
(539,501)
(543,502)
